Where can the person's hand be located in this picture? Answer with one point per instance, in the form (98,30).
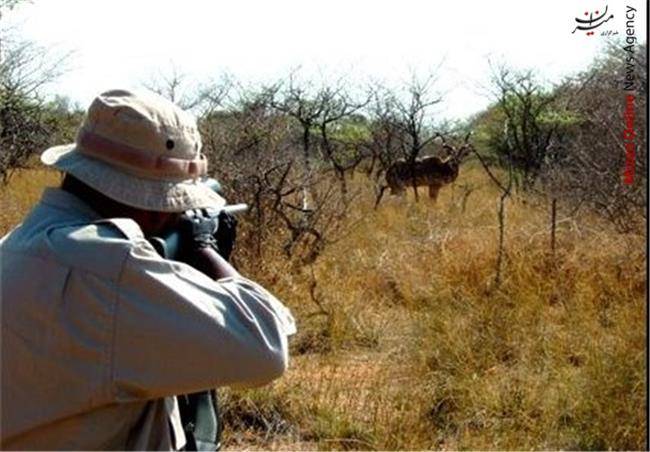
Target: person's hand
(199,246)
(197,231)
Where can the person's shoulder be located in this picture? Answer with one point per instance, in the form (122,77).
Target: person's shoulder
(108,232)
(122,227)
(98,247)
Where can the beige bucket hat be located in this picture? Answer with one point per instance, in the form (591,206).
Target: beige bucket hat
(141,150)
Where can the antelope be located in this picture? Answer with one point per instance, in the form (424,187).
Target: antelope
(434,172)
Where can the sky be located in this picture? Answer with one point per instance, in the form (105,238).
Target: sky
(123,43)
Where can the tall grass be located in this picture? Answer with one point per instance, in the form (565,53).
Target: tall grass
(22,192)
(410,346)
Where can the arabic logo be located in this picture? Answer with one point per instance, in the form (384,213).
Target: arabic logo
(588,25)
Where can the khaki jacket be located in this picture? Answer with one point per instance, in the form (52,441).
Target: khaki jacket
(99,333)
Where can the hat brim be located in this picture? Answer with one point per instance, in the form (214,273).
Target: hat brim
(146,194)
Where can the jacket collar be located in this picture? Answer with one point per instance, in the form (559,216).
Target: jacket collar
(63,200)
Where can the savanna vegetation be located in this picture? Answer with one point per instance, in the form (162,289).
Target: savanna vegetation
(510,314)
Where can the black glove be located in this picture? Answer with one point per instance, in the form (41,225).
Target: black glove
(197,231)
(226,234)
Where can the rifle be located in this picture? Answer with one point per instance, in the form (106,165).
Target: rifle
(168,245)
(200,411)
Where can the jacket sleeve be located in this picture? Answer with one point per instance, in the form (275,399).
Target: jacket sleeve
(177,331)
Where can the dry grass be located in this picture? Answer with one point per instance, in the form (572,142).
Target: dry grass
(22,192)
(418,350)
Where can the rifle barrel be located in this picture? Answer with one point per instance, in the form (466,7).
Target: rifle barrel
(235,208)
